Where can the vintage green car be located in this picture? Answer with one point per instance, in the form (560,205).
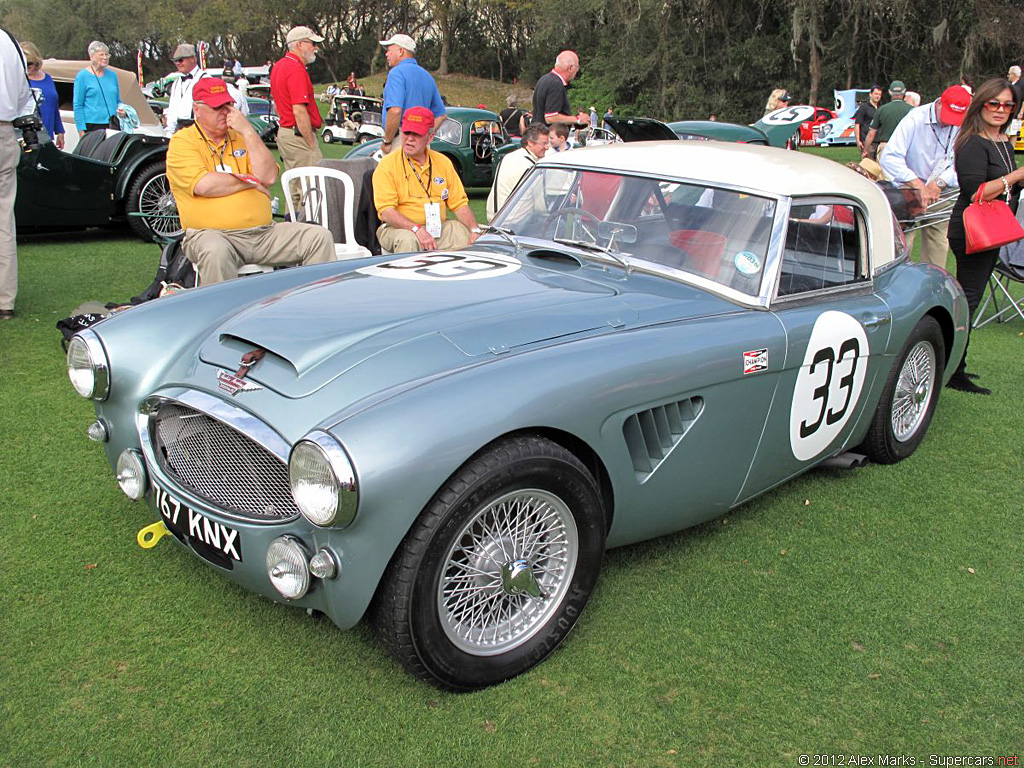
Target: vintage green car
(473,139)
(101,178)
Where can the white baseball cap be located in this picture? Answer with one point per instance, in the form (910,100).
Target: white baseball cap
(403,41)
(295,34)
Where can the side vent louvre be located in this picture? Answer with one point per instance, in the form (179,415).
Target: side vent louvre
(652,434)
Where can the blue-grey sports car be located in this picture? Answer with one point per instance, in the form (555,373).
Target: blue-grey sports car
(646,336)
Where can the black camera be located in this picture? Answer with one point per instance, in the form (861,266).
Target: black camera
(29,125)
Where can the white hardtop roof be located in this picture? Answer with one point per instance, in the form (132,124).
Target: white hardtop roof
(769,169)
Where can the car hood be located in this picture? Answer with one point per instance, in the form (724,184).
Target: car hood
(410,326)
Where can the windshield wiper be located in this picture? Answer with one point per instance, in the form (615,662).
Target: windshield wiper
(508,234)
(590,246)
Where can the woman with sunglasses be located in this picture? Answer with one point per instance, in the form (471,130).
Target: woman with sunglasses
(983,155)
(45,92)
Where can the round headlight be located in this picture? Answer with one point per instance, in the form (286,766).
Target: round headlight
(131,474)
(87,366)
(288,567)
(322,480)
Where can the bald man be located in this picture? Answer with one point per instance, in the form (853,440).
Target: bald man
(550,100)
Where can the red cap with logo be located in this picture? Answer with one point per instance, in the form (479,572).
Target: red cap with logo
(417,120)
(212,91)
(954,103)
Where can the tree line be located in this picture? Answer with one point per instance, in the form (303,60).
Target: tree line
(671,59)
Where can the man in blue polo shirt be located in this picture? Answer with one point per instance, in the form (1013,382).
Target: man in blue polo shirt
(408,85)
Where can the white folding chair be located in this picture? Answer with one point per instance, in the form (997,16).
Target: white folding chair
(317,208)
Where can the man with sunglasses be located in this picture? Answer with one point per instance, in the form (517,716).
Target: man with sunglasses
(220,173)
(179,103)
(919,155)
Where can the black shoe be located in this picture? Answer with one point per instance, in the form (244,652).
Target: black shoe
(6,314)
(960,382)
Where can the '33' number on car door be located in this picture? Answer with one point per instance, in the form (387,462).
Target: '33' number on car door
(828,383)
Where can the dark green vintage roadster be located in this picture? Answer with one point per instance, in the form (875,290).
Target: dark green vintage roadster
(99,179)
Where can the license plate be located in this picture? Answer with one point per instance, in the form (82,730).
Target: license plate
(210,539)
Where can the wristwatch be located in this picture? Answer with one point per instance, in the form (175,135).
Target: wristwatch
(475,230)
(415,228)
(940,184)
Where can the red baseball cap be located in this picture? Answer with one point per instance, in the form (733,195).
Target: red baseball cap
(417,120)
(954,102)
(212,91)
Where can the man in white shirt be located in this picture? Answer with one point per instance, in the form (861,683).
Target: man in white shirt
(515,165)
(15,101)
(179,104)
(920,156)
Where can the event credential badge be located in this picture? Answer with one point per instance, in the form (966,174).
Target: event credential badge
(433,216)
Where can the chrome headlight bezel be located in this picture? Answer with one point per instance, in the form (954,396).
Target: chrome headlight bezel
(131,474)
(87,343)
(335,461)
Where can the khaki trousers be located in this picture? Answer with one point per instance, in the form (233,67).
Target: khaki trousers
(218,253)
(10,154)
(296,153)
(393,240)
(934,245)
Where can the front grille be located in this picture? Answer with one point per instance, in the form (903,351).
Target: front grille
(220,464)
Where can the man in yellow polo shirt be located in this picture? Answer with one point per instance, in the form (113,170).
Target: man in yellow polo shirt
(220,174)
(413,190)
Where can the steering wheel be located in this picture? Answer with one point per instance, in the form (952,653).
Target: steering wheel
(483,148)
(582,218)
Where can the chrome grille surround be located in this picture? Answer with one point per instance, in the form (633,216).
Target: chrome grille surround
(197,446)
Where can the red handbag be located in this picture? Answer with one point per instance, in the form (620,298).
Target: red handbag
(990,224)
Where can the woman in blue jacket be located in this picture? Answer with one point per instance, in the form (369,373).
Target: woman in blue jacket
(45,93)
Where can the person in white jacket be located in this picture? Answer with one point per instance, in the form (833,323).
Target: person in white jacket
(515,165)
(179,103)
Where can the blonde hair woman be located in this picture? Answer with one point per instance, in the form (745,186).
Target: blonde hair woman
(45,92)
(778,99)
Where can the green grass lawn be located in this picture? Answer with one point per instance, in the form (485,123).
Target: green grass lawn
(868,612)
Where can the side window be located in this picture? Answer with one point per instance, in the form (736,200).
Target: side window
(450,131)
(824,249)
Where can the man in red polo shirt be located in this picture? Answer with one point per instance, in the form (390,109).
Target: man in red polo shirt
(293,97)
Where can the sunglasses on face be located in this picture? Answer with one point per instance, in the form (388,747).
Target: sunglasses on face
(178,61)
(999,106)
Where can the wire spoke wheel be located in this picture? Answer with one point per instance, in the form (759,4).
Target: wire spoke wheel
(507,571)
(157,207)
(913,388)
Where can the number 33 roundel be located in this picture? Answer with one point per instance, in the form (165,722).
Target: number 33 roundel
(828,384)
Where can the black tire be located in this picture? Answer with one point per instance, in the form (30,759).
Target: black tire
(150,192)
(419,623)
(365,137)
(328,137)
(913,388)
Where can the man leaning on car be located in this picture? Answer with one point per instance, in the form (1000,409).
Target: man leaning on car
(220,173)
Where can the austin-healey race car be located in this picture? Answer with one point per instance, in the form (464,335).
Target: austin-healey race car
(646,336)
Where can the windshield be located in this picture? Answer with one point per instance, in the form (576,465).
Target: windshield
(713,233)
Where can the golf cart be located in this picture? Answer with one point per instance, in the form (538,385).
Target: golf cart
(354,119)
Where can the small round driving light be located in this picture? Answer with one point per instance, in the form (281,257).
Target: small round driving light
(131,474)
(313,483)
(323,565)
(97,432)
(288,567)
(87,366)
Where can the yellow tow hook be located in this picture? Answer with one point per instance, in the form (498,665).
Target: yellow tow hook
(151,534)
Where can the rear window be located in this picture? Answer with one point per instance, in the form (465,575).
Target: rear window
(824,249)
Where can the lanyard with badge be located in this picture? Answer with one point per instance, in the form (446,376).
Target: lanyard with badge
(431,211)
(220,167)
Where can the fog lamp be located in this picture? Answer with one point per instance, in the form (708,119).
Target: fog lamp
(131,474)
(324,565)
(97,432)
(288,567)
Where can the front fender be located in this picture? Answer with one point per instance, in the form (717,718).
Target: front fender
(126,171)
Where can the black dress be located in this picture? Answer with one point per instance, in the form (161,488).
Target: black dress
(979,160)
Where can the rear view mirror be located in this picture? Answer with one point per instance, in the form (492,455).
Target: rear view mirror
(614,231)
